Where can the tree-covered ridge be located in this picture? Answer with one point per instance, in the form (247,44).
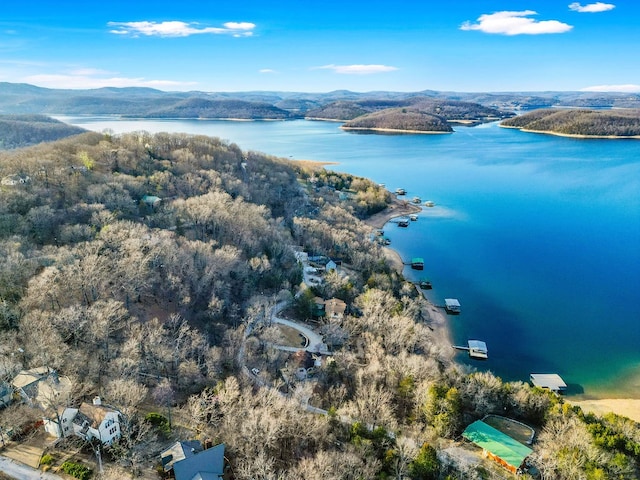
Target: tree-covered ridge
(23,130)
(450,110)
(340,110)
(402,119)
(211,108)
(608,123)
(146,267)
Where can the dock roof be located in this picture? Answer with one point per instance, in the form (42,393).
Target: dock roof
(552,381)
(497,443)
(477,345)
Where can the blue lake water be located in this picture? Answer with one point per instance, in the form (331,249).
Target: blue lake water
(537,236)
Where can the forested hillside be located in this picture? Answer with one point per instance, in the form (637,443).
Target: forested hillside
(449,110)
(148,269)
(597,123)
(24,130)
(399,119)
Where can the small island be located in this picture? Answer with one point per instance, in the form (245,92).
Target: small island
(410,115)
(403,120)
(581,123)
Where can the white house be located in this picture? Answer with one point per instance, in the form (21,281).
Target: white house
(13,180)
(330,266)
(96,421)
(90,421)
(61,425)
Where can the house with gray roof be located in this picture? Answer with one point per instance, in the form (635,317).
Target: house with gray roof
(190,462)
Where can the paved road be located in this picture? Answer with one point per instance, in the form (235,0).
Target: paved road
(20,471)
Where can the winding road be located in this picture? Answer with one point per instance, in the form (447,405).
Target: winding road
(314,343)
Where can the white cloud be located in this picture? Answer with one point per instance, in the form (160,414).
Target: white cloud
(75,80)
(267,70)
(629,88)
(357,69)
(179,29)
(90,72)
(592,7)
(515,23)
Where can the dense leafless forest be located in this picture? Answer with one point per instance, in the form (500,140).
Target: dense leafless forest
(584,122)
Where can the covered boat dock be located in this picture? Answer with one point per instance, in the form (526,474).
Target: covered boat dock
(452,305)
(550,381)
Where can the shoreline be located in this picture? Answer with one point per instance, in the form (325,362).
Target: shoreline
(397,208)
(574,135)
(437,318)
(395,130)
(626,407)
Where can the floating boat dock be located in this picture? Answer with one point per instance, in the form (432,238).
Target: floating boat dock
(477,349)
(452,306)
(403,222)
(550,381)
(417,263)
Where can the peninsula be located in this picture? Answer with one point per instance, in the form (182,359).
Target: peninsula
(581,123)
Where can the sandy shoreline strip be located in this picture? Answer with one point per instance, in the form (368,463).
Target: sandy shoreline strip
(394,130)
(627,407)
(438,320)
(573,135)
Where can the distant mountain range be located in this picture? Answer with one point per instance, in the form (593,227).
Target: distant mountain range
(148,102)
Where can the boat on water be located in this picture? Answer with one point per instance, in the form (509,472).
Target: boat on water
(413,217)
(403,222)
(401,191)
(429,203)
(425,285)
(417,200)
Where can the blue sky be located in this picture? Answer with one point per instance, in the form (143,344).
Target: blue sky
(320,46)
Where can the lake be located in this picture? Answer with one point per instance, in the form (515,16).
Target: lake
(537,236)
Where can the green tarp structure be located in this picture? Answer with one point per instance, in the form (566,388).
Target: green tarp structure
(497,443)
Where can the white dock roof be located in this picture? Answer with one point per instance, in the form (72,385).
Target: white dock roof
(451,302)
(478,345)
(552,381)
